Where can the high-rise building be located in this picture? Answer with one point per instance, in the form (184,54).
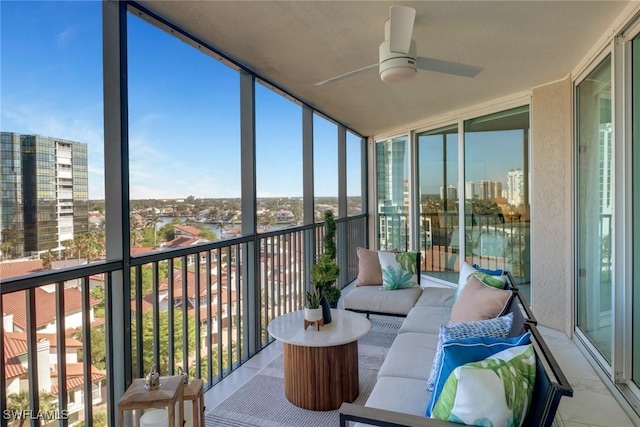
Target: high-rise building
(45,192)
(451,192)
(469,190)
(515,187)
(393,193)
(495,190)
(488,190)
(483,189)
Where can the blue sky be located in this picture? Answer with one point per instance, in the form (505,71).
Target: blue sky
(183,107)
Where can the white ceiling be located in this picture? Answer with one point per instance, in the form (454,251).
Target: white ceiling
(294,44)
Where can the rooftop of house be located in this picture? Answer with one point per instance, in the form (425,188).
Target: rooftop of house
(15,304)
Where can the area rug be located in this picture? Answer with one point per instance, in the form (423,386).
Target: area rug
(261,401)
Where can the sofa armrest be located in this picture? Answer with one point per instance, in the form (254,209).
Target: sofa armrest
(350,412)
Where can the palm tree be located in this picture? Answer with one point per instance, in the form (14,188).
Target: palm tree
(48,258)
(135,230)
(70,248)
(6,246)
(152,221)
(19,402)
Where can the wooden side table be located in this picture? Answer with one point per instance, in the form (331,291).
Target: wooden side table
(320,366)
(170,392)
(193,392)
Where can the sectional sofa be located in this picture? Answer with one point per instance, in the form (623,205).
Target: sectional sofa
(399,397)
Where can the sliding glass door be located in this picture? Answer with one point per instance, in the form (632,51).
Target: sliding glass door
(636,207)
(497,209)
(438,196)
(595,208)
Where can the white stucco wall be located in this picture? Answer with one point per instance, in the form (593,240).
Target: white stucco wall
(551,204)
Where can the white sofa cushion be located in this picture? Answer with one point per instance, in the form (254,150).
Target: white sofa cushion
(374,299)
(425,319)
(410,356)
(433,296)
(404,395)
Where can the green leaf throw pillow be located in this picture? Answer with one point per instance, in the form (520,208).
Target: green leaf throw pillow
(495,391)
(497,282)
(399,271)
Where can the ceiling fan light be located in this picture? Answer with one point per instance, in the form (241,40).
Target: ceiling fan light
(397,67)
(397,74)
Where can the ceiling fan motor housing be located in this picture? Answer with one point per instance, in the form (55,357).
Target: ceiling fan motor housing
(397,67)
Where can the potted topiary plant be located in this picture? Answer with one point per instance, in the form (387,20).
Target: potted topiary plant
(332,294)
(324,272)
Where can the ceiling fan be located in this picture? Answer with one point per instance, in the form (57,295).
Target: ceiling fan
(398,60)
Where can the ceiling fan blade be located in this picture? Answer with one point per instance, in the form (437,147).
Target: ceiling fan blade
(401,19)
(345,75)
(447,67)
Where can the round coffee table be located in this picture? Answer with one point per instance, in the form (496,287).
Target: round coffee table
(320,367)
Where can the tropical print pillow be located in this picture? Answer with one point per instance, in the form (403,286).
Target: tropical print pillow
(458,352)
(497,282)
(399,270)
(497,328)
(505,381)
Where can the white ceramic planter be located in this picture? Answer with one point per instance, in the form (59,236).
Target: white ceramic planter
(313,314)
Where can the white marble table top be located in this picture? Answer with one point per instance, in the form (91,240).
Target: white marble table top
(345,327)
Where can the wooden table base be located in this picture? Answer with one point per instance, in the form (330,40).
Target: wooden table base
(321,378)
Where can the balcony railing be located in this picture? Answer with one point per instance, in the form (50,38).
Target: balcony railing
(491,240)
(204,308)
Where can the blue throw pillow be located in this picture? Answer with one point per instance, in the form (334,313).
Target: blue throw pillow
(498,272)
(462,351)
(498,327)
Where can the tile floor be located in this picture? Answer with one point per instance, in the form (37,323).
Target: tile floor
(592,405)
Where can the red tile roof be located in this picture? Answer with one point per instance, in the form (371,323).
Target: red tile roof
(15,345)
(188,229)
(53,340)
(13,349)
(20,268)
(191,285)
(15,303)
(139,250)
(75,377)
(183,241)
(147,303)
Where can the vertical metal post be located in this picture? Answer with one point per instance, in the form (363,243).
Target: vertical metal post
(3,385)
(364,187)
(341,235)
(86,344)
(32,354)
(251,257)
(307,191)
(116,156)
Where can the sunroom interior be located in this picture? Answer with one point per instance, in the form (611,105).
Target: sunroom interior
(413,166)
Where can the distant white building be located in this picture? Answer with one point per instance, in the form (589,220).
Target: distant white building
(515,187)
(469,190)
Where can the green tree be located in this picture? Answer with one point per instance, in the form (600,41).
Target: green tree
(151,224)
(10,238)
(98,346)
(167,232)
(99,419)
(70,248)
(98,293)
(48,258)
(148,328)
(147,277)
(20,402)
(206,233)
